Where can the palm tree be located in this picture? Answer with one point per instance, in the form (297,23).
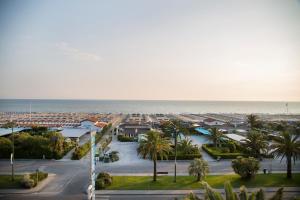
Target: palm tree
(199,168)
(186,146)
(12,125)
(287,145)
(252,120)
(256,143)
(153,146)
(211,194)
(216,136)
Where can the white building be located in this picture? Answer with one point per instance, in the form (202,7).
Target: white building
(213,122)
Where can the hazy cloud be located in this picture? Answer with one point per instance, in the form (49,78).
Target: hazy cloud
(77,53)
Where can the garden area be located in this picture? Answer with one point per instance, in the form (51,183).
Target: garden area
(26,181)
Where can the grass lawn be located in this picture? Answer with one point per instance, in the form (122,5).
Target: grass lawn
(7,183)
(188,182)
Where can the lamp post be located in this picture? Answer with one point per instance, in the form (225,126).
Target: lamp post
(175,159)
(11,125)
(175,135)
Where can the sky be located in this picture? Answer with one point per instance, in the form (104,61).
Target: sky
(165,50)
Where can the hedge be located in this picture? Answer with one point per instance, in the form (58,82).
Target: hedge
(184,156)
(41,176)
(217,155)
(124,138)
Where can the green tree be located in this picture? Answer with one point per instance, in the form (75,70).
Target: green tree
(252,121)
(245,167)
(56,143)
(11,125)
(216,136)
(256,143)
(287,145)
(199,168)
(211,194)
(5,147)
(153,146)
(186,146)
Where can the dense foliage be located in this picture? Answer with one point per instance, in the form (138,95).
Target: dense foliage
(255,143)
(103,180)
(245,167)
(185,150)
(216,136)
(211,194)
(31,180)
(154,146)
(48,144)
(199,168)
(124,138)
(224,152)
(169,127)
(287,145)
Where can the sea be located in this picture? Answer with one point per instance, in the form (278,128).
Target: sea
(148,106)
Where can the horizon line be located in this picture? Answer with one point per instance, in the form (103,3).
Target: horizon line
(281,101)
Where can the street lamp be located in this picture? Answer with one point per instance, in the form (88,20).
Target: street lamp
(11,125)
(175,135)
(13,152)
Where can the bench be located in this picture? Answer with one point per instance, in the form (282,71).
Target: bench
(162,173)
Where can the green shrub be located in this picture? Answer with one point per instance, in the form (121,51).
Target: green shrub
(183,156)
(81,151)
(124,138)
(114,156)
(103,180)
(225,150)
(27,182)
(215,154)
(34,146)
(245,167)
(41,176)
(100,184)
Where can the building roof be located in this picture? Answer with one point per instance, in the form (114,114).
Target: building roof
(91,119)
(7,131)
(74,132)
(235,137)
(209,120)
(100,124)
(203,131)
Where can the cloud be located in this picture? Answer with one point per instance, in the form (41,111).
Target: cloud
(77,53)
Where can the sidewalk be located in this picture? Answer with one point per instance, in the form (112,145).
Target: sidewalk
(39,187)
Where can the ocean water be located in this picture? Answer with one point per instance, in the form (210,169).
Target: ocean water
(147,106)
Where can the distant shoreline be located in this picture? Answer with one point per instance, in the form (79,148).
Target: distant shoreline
(148,106)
